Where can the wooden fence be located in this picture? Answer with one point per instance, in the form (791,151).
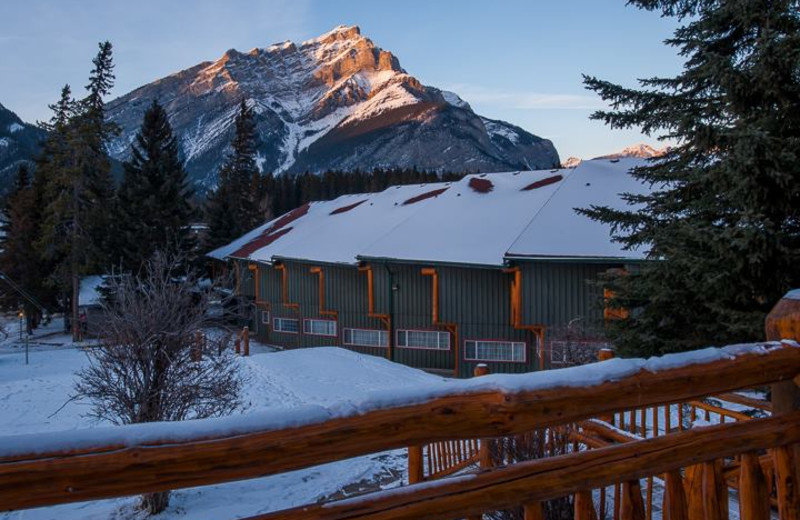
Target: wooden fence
(694,464)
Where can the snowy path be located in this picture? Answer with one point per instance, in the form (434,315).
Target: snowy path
(31,394)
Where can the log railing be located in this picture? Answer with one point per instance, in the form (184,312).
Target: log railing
(50,469)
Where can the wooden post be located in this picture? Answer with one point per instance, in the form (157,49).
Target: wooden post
(533,511)
(632,507)
(753,495)
(783,323)
(715,491)
(584,506)
(238,344)
(605,354)
(674,506)
(415,465)
(246,340)
(481,369)
(197,347)
(485,447)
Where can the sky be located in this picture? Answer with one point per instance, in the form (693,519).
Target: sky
(516,60)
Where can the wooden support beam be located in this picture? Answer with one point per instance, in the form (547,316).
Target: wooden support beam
(783,322)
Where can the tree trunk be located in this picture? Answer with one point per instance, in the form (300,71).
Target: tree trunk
(155,503)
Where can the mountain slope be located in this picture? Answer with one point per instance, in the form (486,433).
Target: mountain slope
(333,102)
(19,143)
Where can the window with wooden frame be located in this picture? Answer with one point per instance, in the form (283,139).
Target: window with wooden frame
(423,339)
(495,350)
(265,317)
(317,327)
(287,325)
(366,338)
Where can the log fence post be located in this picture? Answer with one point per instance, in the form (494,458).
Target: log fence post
(197,347)
(246,340)
(674,506)
(632,507)
(783,323)
(485,446)
(753,494)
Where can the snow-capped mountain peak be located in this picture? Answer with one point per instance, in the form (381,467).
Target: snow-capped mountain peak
(334,101)
(637,151)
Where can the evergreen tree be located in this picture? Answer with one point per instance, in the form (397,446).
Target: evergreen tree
(723,225)
(19,259)
(153,211)
(234,207)
(76,229)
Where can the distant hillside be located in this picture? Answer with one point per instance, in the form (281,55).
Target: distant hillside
(19,144)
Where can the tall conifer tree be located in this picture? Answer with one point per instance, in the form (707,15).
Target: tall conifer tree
(234,207)
(723,225)
(76,229)
(153,211)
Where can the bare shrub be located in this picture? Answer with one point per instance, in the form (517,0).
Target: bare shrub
(150,365)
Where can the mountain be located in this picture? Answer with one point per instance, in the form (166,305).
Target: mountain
(332,102)
(637,151)
(19,143)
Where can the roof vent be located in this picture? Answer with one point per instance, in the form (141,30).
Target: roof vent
(481,185)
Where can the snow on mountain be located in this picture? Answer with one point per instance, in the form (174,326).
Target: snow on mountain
(19,143)
(637,151)
(571,162)
(335,101)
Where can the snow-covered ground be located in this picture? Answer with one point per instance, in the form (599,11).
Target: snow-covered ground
(35,398)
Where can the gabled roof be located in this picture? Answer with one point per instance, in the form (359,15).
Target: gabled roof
(483,219)
(334,231)
(558,231)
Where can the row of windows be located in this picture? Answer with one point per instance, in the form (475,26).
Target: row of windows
(474,350)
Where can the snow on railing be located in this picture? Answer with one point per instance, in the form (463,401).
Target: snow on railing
(53,468)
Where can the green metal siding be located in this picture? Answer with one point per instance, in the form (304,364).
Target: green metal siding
(477,300)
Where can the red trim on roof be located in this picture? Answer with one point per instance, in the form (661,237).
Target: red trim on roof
(345,209)
(543,182)
(272,233)
(481,185)
(262,240)
(426,195)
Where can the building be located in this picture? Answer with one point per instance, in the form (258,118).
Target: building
(495,268)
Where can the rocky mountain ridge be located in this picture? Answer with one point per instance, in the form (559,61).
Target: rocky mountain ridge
(333,102)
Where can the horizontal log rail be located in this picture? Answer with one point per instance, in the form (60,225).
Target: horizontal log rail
(467,411)
(545,479)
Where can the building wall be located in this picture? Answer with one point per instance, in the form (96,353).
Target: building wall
(474,304)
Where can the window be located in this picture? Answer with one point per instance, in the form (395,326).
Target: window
(319,327)
(366,338)
(428,339)
(288,325)
(478,350)
(265,317)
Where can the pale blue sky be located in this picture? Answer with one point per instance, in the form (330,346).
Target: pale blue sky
(516,60)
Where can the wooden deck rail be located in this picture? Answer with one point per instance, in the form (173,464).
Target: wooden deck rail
(468,411)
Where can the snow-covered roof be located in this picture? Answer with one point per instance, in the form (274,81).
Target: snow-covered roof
(558,231)
(483,219)
(335,231)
